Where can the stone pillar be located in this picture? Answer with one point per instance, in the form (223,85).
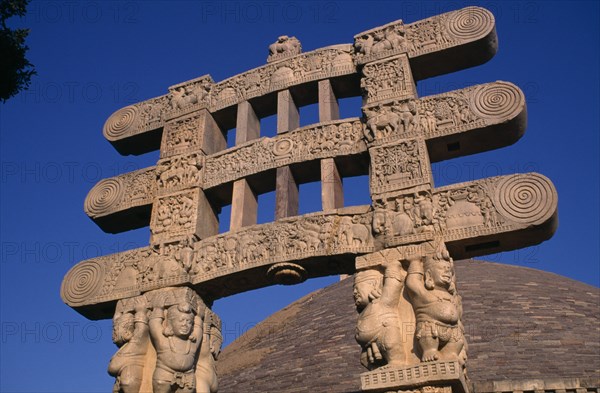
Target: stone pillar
(332,192)
(286,189)
(244,203)
(328,103)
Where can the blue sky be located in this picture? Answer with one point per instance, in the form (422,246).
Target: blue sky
(94,57)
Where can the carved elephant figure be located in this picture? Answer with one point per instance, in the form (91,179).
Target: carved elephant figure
(310,235)
(379,222)
(354,234)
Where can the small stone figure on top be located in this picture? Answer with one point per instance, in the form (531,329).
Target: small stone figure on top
(284,47)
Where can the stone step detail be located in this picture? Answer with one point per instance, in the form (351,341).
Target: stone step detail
(448,373)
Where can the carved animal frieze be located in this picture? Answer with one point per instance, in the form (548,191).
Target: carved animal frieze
(520,209)
(323,140)
(425,36)
(179,172)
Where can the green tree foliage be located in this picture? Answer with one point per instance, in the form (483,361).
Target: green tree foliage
(15,70)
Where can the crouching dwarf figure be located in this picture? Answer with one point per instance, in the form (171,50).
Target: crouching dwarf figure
(176,333)
(130,333)
(378,330)
(431,285)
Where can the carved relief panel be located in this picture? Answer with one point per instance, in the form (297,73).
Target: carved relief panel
(189,96)
(194,133)
(323,140)
(180,216)
(387,79)
(381,42)
(137,118)
(399,165)
(179,172)
(119,193)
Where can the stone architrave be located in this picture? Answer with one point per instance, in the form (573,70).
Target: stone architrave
(401,246)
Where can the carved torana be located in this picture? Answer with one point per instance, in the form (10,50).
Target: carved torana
(402,246)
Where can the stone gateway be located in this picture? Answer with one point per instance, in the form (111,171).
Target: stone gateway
(402,246)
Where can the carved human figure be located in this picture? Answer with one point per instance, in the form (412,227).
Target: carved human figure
(407,113)
(186,212)
(490,218)
(176,334)
(163,217)
(438,308)
(380,217)
(423,208)
(402,223)
(130,333)
(378,329)
(185,253)
(206,370)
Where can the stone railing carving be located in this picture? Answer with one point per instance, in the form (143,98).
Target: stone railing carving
(487,110)
(421,41)
(483,210)
(425,36)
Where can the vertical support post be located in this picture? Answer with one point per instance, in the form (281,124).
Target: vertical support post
(286,189)
(332,192)
(329,108)
(244,202)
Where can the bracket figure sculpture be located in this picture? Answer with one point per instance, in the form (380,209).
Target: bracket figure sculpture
(384,323)
(438,308)
(176,333)
(131,334)
(409,324)
(378,329)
